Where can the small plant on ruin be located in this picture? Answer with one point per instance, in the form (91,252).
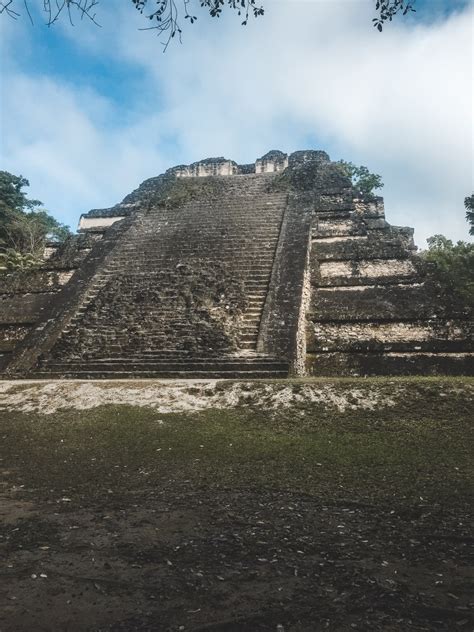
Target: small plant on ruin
(362,179)
(11,260)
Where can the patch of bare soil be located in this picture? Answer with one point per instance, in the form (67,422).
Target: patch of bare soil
(197,559)
(175,396)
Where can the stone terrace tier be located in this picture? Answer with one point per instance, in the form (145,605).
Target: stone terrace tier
(373,310)
(26,295)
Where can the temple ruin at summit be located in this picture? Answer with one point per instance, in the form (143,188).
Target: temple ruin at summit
(272,269)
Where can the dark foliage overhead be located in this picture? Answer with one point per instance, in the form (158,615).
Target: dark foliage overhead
(167,16)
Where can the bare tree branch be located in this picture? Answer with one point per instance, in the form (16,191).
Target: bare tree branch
(52,9)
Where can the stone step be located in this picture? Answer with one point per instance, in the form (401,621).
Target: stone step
(261,277)
(166,365)
(161,354)
(255,253)
(245,235)
(161,374)
(264,200)
(250,345)
(186,356)
(232,260)
(227,252)
(211,217)
(202,241)
(252,262)
(248,336)
(265,203)
(225,229)
(260,281)
(231,257)
(208,226)
(244,232)
(228,226)
(137,270)
(240,205)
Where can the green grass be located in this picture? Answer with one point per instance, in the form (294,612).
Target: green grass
(420,447)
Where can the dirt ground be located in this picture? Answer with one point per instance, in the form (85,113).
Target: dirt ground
(305,519)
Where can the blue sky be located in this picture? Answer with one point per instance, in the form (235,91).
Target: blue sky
(87,113)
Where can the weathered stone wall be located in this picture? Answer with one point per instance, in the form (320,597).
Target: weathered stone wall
(379,335)
(272,162)
(97,224)
(26,295)
(374,309)
(206,168)
(280,323)
(364,272)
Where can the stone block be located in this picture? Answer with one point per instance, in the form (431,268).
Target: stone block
(389,363)
(429,335)
(371,303)
(23,309)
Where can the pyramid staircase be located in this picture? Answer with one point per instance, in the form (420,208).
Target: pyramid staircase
(237,230)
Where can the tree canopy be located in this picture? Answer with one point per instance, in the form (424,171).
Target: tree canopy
(469,206)
(25,228)
(167,16)
(453,267)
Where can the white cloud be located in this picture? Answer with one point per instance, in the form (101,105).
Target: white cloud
(308,72)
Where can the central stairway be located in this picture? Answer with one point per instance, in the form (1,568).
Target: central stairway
(183,291)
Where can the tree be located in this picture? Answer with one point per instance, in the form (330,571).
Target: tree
(24,227)
(12,198)
(469,205)
(453,266)
(166,16)
(362,179)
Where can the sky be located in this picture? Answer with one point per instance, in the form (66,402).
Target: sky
(88,113)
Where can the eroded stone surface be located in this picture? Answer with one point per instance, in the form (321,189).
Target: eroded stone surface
(223,270)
